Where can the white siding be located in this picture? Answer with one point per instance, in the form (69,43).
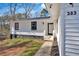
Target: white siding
(25,27)
(71,31)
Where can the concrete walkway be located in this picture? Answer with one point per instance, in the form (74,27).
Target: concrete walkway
(45,50)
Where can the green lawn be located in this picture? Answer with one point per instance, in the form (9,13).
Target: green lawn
(25,46)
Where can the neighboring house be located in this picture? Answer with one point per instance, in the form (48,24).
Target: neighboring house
(39,27)
(43,25)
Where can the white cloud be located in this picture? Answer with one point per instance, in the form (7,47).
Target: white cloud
(43,6)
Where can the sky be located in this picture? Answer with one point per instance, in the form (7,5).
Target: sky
(38,7)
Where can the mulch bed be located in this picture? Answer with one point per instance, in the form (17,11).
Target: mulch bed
(55,49)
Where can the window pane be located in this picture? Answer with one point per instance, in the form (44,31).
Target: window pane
(16,26)
(33,25)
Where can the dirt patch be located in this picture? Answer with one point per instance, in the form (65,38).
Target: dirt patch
(10,51)
(18,48)
(13,50)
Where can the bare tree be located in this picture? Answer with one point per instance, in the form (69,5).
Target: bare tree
(5,17)
(28,9)
(13,8)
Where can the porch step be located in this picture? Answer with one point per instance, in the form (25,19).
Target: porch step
(48,38)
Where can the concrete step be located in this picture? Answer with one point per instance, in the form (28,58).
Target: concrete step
(48,38)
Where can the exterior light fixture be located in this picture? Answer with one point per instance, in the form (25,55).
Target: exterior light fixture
(50,5)
(71,4)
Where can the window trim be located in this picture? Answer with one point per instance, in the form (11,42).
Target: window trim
(33,25)
(16,26)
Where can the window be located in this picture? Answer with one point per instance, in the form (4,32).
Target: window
(16,26)
(33,25)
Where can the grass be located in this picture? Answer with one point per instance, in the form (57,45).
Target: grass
(29,46)
(30,51)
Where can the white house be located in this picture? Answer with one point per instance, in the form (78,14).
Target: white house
(40,27)
(68,28)
(44,25)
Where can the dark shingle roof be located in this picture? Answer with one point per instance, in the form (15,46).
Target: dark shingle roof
(38,18)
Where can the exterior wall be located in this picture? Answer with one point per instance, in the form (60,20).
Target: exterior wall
(68,30)
(54,12)
(60,36)
(25,27)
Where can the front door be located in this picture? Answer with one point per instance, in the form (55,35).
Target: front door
(50,28)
